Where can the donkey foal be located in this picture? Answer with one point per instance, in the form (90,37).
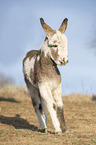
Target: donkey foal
(43,78)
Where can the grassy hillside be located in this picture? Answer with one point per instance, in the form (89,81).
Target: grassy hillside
(19,125)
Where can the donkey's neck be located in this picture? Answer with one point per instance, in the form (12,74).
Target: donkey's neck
(46,58)
(45,49)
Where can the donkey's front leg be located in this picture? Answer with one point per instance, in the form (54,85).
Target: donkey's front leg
(47,96)
(57,94)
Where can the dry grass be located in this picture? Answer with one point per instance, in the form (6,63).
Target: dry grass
(19,126)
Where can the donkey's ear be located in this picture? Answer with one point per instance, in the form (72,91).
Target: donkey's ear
(48,30)
(63,25)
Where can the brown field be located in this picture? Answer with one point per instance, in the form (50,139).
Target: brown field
(19,125)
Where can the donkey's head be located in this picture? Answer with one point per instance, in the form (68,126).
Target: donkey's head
(57,42)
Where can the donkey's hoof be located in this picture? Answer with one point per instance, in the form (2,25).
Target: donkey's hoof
(44,130)
(58,133)
(65,130)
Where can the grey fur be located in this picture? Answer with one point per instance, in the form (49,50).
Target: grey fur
(44,68)
(60,115)
(43,78)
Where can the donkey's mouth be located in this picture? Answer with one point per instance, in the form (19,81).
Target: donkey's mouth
(64,62)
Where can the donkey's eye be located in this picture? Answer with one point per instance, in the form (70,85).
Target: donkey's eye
(55,45)
(50,45)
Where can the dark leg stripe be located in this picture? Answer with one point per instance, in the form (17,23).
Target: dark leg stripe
(60,116)
(33,102)
(40,108)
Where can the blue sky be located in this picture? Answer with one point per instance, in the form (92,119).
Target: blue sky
(20,31)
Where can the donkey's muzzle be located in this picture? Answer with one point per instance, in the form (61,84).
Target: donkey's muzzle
(64,62)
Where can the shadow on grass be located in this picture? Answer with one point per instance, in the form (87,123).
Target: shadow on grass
(18,123)
(9,100)
(94,98)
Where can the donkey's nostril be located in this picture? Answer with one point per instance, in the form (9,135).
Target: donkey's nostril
(64,62)
(63,59)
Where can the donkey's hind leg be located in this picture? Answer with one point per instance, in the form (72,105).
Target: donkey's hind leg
(39,107)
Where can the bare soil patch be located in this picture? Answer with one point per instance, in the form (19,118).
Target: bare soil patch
(19,125)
